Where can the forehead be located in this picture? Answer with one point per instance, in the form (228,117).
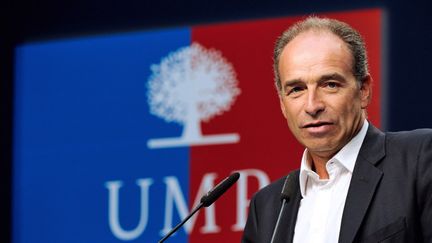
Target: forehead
(315,49)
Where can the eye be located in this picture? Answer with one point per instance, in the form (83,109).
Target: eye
(294,90)
(332,85)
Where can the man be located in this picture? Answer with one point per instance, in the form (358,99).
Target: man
(355,183)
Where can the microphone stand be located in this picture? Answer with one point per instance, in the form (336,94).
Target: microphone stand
(182,222)
(208,199)
(286,193)
(278,220)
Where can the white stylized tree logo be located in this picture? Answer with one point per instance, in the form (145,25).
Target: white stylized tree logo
(192,85)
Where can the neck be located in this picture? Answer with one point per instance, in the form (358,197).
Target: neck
(318,160)
(318,164)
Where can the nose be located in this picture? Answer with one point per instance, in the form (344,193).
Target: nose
(314,104)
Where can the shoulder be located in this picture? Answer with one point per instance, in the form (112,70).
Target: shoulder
(411,150)
(424,133)
(410,139)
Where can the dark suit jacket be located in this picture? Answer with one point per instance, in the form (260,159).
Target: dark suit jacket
(389,198)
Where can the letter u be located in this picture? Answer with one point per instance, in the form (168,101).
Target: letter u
(113,209)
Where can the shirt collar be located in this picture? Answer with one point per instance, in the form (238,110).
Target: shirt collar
(347,156)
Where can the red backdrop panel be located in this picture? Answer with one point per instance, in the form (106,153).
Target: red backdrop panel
(265,142)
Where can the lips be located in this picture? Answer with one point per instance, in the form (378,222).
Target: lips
(318,128)
(316,124)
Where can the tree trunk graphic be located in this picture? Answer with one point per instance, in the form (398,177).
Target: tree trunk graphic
(192,124)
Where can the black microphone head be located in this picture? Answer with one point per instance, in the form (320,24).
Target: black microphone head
(211,196)
(289,186)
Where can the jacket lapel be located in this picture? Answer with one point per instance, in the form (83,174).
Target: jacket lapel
(364,181)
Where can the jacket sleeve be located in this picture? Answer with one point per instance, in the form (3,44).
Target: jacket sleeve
(424,187)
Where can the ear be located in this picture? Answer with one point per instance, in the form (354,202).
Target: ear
(366,91)
(282,106)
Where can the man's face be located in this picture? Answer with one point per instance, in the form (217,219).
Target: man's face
(320,98)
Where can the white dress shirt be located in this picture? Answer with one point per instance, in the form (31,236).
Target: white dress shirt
(320,213)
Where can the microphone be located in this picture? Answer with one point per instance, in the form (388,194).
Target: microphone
(287,192)
(211,196)
(208,199)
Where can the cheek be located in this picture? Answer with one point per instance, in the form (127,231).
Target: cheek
(346,102)
(287,109)
(349,113)
(293,117)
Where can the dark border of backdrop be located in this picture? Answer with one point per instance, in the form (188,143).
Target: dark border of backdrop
(6,99)
(407,48)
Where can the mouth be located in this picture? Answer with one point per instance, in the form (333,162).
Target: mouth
(318,128)
(316,124)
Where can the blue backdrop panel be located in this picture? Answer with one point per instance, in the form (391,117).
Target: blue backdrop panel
(82,120)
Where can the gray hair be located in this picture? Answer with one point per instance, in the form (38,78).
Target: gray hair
(349,35)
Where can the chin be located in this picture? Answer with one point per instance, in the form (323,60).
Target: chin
(321,147)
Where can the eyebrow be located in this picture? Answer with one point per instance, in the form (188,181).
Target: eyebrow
(323,78)
(332,76)
(292,82)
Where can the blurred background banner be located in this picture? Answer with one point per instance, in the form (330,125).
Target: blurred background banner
(116,136)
